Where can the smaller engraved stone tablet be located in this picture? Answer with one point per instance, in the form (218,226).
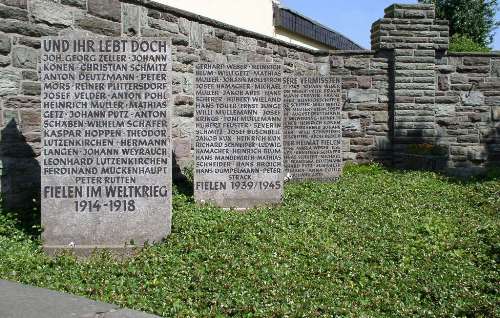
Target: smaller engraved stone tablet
(239,149)
(313,129)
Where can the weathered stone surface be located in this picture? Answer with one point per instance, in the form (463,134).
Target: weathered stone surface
(30,118)
(82,4)
(15,3)
(98,25)
(51,12)
(4,60)
(246,44)
(443,110)
(7,12)
(184,26)
(237,167)
(362,95)
(475,61)
(30,88)
(495,113)
(26,28)
(106,9)
(495,68)
(213,43)
(9,79)
(443,83)
(196,35)
(164,25)
(357,63)
(5,44)
(119,173)
(25,57)
(134,18)
(312,128)
(473,98)
(22,102)
(27,41)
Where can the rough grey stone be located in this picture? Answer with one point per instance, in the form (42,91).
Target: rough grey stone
(22,102)
(495,113)
(25,57)
(323,69)
(15,3)
(351,125)
(51,13)
(26,28)
(356,63)
(7,12)
(164,25)
(97,25)
(185,110)
(5,44)
(30,75)
(184,26)
(473,98)
(82,4)
(362,95)
(495,68)
(134,18)
(4,61)
(9,81)
(27,41)
(443,110)
(196,35)
(106,9)
(213,43)
(30,88)
(477,153)
(246,44)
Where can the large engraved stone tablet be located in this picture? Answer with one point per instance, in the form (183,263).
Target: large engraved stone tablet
(313,131)
(106,158)
(239,153)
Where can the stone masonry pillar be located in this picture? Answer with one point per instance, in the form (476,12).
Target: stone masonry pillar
(415,37)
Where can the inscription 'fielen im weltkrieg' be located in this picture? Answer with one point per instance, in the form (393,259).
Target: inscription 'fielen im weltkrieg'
(106,168)
(238,142)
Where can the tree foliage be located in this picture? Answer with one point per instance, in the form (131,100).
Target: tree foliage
(473,19)
(462,43)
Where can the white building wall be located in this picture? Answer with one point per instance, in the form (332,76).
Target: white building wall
(252,15)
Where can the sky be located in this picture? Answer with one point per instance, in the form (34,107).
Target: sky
(352,18)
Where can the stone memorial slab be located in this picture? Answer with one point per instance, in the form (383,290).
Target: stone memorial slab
(312,127)
(238,146)
(106,157)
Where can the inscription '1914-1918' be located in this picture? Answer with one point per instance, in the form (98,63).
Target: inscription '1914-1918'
(106,157)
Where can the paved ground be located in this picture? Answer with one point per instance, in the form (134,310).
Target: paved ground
(21,301)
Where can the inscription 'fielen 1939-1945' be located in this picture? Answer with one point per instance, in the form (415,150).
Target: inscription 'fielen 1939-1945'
(106,167)
(238,143)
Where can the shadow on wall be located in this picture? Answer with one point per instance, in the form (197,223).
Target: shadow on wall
(493,149)
(20,179)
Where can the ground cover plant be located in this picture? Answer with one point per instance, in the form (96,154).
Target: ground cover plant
(378,243)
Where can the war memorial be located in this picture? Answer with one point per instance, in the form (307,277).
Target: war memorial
(118,114)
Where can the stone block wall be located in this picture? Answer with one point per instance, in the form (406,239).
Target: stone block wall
(365,78)
(404,93)
(467,110)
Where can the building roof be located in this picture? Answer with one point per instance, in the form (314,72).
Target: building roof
(297,23)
